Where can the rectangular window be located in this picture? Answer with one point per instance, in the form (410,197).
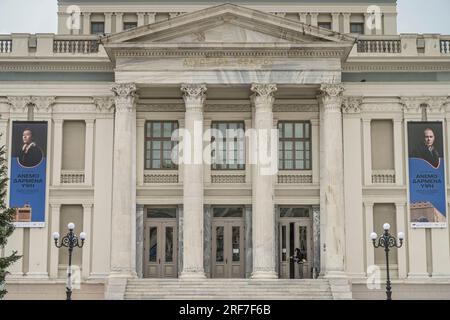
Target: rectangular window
(357,28)
(325,25)
(228,146)
(129,25)
(73,148)
(294,145)
(382,138)
(159,145)
(97,27)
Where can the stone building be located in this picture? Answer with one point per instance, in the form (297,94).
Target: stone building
(333,77)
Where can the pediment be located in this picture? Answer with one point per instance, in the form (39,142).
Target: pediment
(227,23)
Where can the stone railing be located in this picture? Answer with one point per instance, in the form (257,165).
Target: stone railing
(72,177)
(445,46)
(5,44)
(74,45)
(227,177)
(161,177)
(379,46)
(409,45)
(295,177)
(383,176)
(50,45)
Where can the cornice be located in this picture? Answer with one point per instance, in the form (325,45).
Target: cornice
(13,66)
(441,66)
(221,52)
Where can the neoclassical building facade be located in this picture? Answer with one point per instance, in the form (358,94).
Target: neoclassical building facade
(332,78)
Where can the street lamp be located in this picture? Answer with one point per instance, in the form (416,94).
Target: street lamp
(387,241)
(69,241)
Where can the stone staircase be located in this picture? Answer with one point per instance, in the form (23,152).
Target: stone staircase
(228,289)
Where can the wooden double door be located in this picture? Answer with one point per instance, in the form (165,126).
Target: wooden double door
(160,248)
(228,249)
(296,233)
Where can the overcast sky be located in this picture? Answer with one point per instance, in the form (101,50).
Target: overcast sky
(39,16)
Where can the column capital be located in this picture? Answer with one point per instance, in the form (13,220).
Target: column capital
(351,104)
(194,96)
(55,206)
(125,95)
(331,95)
(104,104)
(108,14)
(313,14)
(368,204)
(346,14)
(87,206)
(89,122)
(86,14)
(263,94)
(20,103)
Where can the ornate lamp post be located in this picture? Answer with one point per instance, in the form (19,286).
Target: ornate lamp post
(69,241)
(387,241)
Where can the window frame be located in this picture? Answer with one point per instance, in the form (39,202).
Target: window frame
(161,139)
(240,167)
(360,24)
(97,23)
(281,146)
(320,25)
(134,23)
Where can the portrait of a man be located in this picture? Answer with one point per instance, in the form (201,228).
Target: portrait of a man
(427,149)
(30,154)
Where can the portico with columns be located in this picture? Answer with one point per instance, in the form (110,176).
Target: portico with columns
(196,85)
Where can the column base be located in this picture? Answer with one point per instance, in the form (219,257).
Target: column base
(192,275)
(335,275)
(436,275)
(418,276)
(264,275)
(37,275)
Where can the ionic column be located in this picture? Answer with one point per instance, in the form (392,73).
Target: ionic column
(123,226)
(151,17)
(263,186)
(194,98)
(335,21)
(332,177)
(302,17)
(86,252)
(141,19)
(314,16)
(119,21)
(86,23)
(346,22)
(108,22)
(89,152)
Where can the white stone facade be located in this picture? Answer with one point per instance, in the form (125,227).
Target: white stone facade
(221,63)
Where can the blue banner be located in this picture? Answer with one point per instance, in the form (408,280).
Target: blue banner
(427,192)
(28,173)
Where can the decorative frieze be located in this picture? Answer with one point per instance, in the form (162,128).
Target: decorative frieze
(296,107)
(41,103)
(434,104)
(161,178)
(295,178)
(228,178)
(72,177)
(383,177)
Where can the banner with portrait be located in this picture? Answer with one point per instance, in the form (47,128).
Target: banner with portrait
(427,192)
(28,172)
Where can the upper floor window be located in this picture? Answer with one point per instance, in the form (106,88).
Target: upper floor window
(159,145)
(357,28)
(97,27)
(294,145)
(228,146)
(325,25)
(129,25)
